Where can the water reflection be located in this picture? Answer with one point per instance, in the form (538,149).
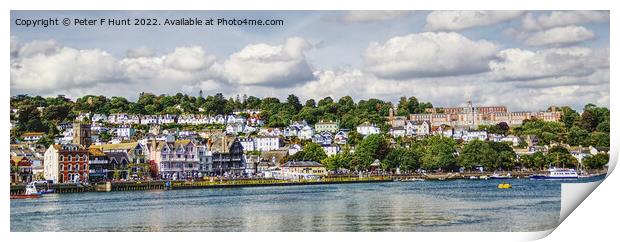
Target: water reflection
(414,206)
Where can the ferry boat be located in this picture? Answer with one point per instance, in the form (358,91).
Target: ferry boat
(557,173)
(31,192)
(498,176)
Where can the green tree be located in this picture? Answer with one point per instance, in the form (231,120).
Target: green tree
(439,153)
(578,136)
(475,153)
(314,152)
(372,147)
(597,161)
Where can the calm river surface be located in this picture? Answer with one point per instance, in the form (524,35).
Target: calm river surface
(458,205)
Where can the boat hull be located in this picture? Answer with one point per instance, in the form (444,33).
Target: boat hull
(25,196)
(540,177)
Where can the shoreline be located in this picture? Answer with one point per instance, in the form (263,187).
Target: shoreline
(214,183)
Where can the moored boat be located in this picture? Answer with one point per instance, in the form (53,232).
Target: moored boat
(31,192)
(556,173)
(498,176)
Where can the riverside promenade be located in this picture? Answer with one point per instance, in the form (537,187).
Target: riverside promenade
(215,182)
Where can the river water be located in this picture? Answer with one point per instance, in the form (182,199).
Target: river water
(457,205)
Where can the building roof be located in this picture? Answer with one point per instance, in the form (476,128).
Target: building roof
(302,164)
(95,152)
(33,134)
(119,146)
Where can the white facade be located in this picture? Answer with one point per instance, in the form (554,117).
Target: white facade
(306,132)
(331,150)
(368,129)
(267,143)
(50,164)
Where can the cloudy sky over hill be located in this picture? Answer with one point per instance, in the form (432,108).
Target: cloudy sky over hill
(522,59)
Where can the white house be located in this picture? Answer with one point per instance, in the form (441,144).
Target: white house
(148,119)
(267,143)
(293,149)
(306,132)
(512,139)
(416,128)
(331,150)
(166,119)
(367,129)
(469,135)
(125,132)
(398,132)
(234,128)
(341,137)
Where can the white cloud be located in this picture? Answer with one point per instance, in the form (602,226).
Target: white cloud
(560,36)
(263,64)
(189,59)
(518,64)
(44,66)
(563,18)
(373,15)
(141,51)
(458,20)
(428,54)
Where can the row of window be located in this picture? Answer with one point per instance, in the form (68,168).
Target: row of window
(76,167)
(71,157)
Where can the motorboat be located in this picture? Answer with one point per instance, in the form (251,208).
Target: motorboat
(31,192)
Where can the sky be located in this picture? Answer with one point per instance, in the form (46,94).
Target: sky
(525,60)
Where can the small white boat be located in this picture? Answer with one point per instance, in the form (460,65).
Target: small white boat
(498,176)
(473,178)
(31,192)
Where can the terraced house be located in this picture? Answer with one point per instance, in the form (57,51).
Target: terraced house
(66,163)
(127,160)
(175,160)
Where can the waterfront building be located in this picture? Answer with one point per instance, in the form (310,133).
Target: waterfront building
(21,169)
(99,165)
(136,154)
(175,159)
(66,163)
(326,126)
(205,160)
(227,155)
(303,170)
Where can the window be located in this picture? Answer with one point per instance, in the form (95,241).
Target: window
(62,167)
(62,157)
(70,157)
